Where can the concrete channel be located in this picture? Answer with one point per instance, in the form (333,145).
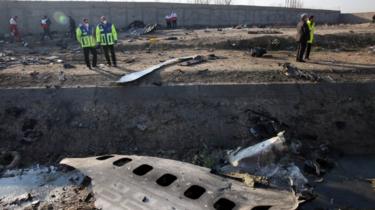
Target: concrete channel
(45,125)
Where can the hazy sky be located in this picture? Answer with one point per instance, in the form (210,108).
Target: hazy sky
(343,5)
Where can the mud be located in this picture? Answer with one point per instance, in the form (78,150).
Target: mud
(347,186)
(45,187)
(45,125)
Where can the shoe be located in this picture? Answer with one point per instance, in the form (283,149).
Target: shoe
(307,58)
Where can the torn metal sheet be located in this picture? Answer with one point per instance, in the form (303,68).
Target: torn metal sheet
(138,182)
(136,75)
(261,153)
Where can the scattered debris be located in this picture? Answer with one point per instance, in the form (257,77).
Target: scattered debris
(62,76)
(135,24)
(157,83)
(263,125)
(243,177)
(268,31)
(291,71)
(150,28)
(68,66)
(275,42)
(43,187)
(171,38)
(136,75)
(203,71)
(25,44)
(21,199)
(258,51)
(130,60)
(51,58)
(137,28)
(196,60)
(89,197)
(312,167)
(34,74)
(238,27)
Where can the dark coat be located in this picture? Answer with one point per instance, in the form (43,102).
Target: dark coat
(72,23)
(303,32)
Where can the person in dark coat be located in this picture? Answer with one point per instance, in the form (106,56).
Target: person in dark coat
(72,27)
(303,36)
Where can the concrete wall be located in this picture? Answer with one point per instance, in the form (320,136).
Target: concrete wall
(122,13)
(356,18)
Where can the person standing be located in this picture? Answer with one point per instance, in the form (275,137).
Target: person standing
(174,20)
(45,23)
(72,27)
(303,35)
(106,36)
(14,29)
(85,36)
(168,21)
(311,25)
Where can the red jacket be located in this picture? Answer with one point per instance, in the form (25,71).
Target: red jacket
(45,23)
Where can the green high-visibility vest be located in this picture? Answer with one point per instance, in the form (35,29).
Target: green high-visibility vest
(85,36)
(311,26)
(106,34)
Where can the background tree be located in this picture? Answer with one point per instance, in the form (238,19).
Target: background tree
(223,2)
(294,3)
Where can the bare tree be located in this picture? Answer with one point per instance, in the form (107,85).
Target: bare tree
(223,2)
(202,1)
(294,3)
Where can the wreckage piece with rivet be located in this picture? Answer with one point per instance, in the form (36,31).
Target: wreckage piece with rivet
(136,75)
(141,182)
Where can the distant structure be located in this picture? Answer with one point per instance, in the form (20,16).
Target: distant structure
(202,1)
(294,3)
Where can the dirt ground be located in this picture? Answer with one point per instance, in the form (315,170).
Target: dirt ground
(33,66)
(343,53)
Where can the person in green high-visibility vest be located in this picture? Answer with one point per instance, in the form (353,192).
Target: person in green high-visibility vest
(106,36)
(303,36)
(86,37)
(311,25)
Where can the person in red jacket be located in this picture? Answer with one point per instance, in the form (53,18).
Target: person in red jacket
(173,20)
(45,23)
(14,29)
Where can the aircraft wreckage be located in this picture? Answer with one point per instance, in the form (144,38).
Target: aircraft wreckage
(139,182)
